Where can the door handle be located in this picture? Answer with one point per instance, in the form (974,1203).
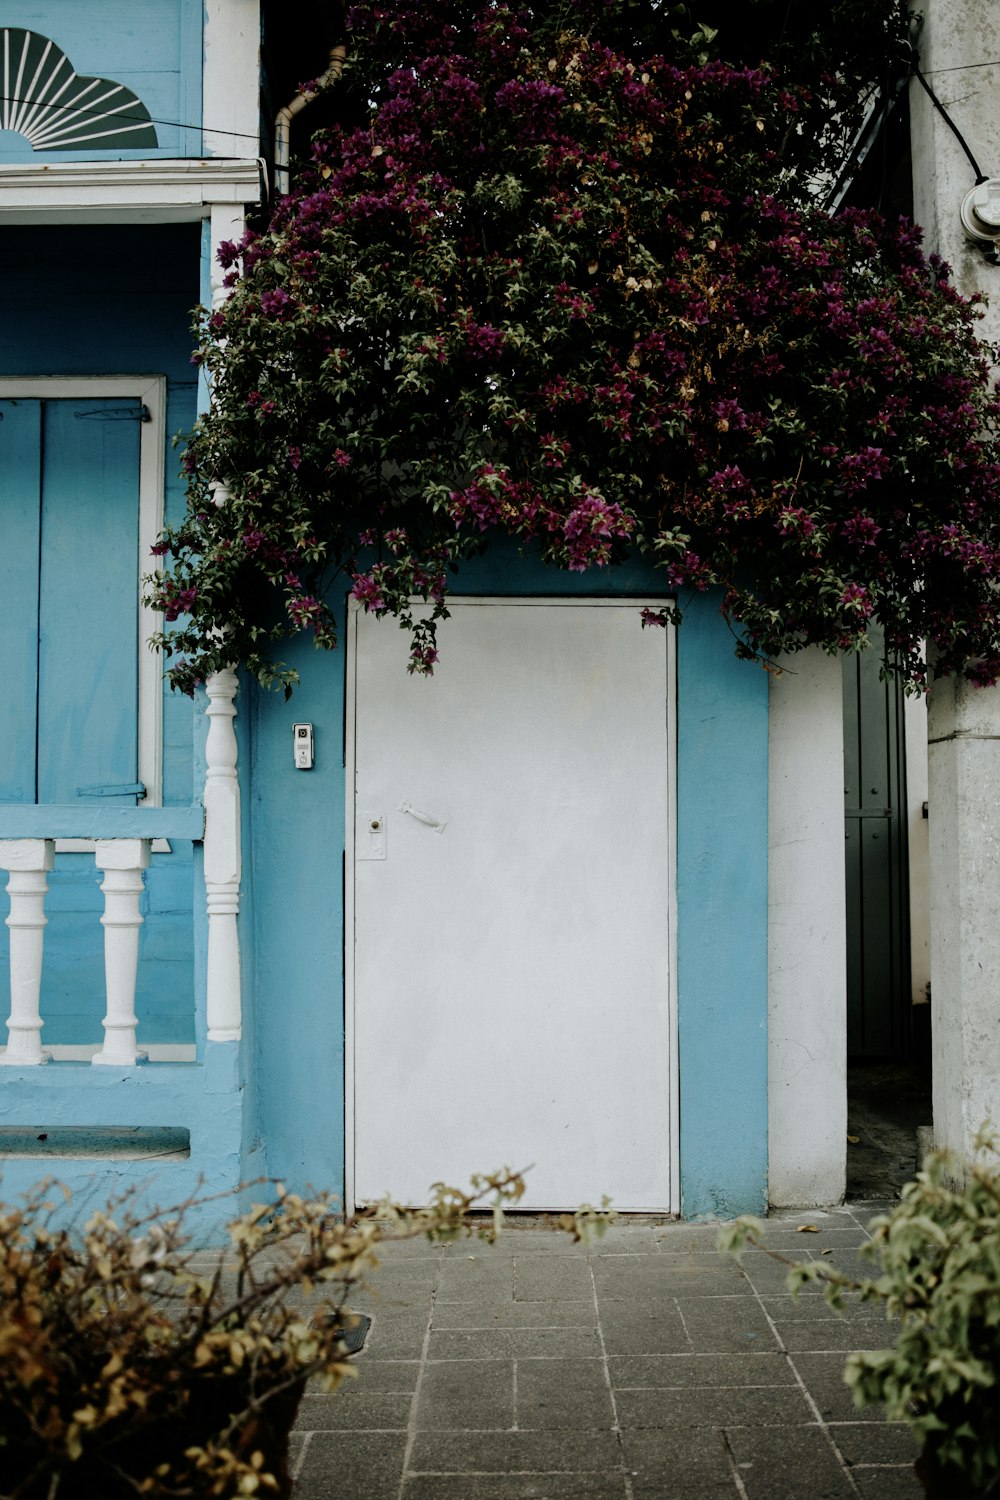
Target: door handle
(422,817)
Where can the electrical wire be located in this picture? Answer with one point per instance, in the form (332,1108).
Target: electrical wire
(963,67)
(946,117)
(139,120)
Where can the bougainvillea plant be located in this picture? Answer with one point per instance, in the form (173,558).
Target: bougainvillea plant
(533,285)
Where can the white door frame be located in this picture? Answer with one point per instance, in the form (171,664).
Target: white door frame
(456,603)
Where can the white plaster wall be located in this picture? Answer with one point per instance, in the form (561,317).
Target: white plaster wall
(231,78)
(959,48)
(807,954)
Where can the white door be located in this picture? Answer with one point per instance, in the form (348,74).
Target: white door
(509,997)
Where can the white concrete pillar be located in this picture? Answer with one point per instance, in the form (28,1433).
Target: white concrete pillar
(964,800)
(223,863)
(959,55)
(228,222)
(959,50)
(27,861)
(807,952)
(123,861)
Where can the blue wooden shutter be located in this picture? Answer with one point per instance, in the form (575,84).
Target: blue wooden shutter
(85,617)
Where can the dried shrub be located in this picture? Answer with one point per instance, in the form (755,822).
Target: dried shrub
(131,1364)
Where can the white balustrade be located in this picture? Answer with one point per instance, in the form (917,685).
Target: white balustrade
(123,861)
(222,860)
(27,861)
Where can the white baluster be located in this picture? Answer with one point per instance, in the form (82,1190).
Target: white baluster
(27,861)
(222,860)
(123,861)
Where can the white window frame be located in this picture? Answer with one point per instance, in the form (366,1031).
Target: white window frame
(151,390)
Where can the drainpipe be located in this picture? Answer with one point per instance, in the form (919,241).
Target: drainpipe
(284,117)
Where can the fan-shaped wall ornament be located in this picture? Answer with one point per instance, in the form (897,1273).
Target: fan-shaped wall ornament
(56,109)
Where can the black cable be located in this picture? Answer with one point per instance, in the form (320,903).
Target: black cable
(135,122)
(946,117)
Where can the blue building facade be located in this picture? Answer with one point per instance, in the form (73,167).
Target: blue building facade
(191,973)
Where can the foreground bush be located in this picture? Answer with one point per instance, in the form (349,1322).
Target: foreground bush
(939,1257)
(127,1369)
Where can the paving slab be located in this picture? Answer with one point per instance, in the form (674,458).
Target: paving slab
(346,1465)
(669,1465)
(359,1411)
(721,1324)
(833,1334)
(561,1393)
(823,1377)
(559,1313)
(565,1452)
(714,1406)
(610,1486)
(795,1463)
(551,1280)
(470,1394)
(888,1483)
(874,1442)
(515,1343)
(678,1371)
(649,1328)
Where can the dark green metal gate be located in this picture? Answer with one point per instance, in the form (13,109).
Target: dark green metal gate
(878,928)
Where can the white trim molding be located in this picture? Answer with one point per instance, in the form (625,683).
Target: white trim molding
(84,1052)
(125,192)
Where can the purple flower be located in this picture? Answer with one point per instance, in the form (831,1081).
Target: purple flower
(304,610)
(278,305)
(368,591)
(861,530)
(482,339)
(857,470)
(855,597)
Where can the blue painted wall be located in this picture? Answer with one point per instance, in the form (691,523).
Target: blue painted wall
(118,300)
(203,1099)
(297,840)
(721,919)
(153,47)
(91,301)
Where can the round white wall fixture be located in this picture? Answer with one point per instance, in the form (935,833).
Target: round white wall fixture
(981,212)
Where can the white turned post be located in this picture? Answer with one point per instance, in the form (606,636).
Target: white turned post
(222,860)
(27,861)
(123,861)
(222,790)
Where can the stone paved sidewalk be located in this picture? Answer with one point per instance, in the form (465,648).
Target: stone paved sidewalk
(648,1365)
